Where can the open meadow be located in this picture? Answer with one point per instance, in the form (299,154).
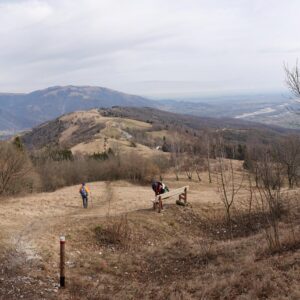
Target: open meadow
(119,248)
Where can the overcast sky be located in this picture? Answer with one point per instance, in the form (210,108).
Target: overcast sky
(162,48)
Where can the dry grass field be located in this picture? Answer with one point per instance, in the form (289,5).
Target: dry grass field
(119,248)
(114,134)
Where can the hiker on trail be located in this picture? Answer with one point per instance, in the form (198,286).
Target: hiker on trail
(84,192)
(159,187)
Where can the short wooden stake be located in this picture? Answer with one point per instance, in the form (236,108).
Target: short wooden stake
(62,261)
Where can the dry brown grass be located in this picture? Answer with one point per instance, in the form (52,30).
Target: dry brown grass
(115,232)
(174,259)
(171,255)
(229,270)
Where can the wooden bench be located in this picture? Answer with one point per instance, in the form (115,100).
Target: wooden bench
(181,192)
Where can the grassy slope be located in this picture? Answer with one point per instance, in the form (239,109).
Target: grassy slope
(86,132)
(86,126)
(171,255)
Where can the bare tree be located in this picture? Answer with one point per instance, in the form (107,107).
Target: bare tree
(207,143)
(252,159)
(287,152)
(188,167)
(176,155)
(293,78)
(270,198)
(162,164)
(14,165)
(251,194)
(196,158)
(229,181)
(198,163)
(270,170)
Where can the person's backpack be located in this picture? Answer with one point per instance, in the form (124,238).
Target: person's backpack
(165,189)
(83,192)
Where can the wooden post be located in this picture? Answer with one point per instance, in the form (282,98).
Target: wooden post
(183,196)
(155,203)
(160,206)
(62,261)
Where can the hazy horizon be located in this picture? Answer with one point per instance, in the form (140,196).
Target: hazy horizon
(189,96)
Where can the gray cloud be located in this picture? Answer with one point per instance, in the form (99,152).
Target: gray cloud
(180,47)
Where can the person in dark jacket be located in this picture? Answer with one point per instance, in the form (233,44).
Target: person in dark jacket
(159,188)
(84,192)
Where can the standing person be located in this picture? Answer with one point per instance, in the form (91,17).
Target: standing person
(84,192)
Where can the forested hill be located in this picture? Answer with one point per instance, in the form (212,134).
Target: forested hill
(146,126)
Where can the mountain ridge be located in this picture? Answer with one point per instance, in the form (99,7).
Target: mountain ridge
(87,130)
(34,108)
(23,111)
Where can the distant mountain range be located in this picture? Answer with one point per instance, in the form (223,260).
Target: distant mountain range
(22,111)
(19,112)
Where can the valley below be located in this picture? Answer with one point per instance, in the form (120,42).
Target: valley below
(21,112)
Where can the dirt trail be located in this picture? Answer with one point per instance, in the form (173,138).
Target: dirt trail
(31,225)
(27,218)
(24,220)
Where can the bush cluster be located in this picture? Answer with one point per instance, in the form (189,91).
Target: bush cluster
(52,168)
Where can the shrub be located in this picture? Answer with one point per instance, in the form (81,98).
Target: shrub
(116,232)
(16,172)
(99,156)
(132,144)
(132,167)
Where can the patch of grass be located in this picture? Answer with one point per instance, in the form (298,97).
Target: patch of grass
(243,224)
(116,232)
(132,144)
(288,244)
(174,261)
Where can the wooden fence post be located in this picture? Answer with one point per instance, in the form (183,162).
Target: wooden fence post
(160,205)
(62,261)
(183,196)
